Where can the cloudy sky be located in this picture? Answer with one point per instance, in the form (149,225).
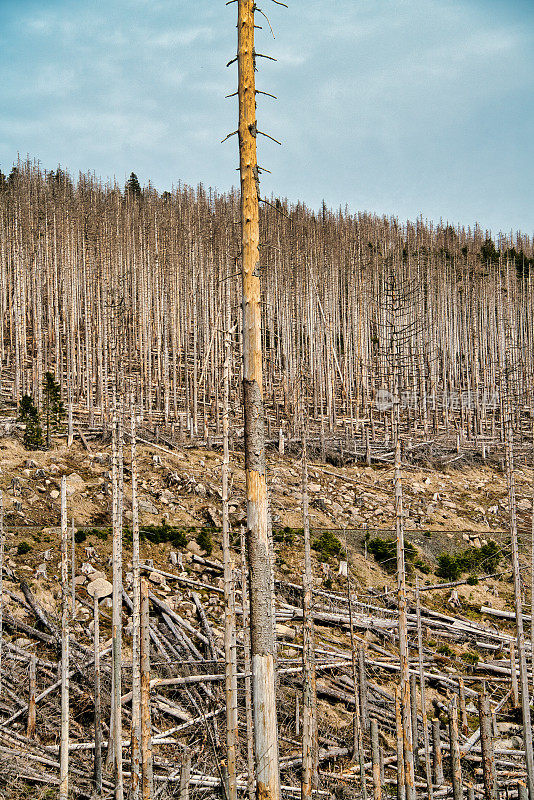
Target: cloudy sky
(400,107)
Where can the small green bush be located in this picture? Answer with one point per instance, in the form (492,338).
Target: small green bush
(327,583)
(473,559)
(385,553)
(472,580)
(284,535)
(327,545)
(448,567)
(445,650)
(159,534)
(470,658)
(205,541)
(80,537)
(23,548)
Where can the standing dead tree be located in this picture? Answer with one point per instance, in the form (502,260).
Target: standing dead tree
(262,639)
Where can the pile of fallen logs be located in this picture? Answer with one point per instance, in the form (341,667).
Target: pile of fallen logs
(471,704)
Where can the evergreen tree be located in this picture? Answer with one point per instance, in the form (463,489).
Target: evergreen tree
(133,187)
(53,404)
(29,416)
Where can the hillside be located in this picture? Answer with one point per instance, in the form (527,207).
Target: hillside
(463,508)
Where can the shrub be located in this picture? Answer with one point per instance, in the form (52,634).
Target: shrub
(445,650)
(473,559)
(385,552)
(284,536)
(470,657)
(159,534)
(23,548)
(80,537)
(472,580)
(205,541)
(448,567)
(327,545)
(327,583)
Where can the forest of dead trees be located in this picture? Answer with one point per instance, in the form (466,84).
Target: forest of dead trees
(380,343)
(95,281)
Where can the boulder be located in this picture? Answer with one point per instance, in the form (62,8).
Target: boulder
(194,548)
(146,506)
(100,588)
(54,494)
(74,484)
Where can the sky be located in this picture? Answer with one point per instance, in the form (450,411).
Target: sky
(396,107)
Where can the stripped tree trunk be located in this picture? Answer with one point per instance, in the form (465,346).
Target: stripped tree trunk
(146,716)
(251,771)
(357,734)
(258,549)
(64,742)
(486,742)
(31,724)
(309,699)
(456,768)
(229,594)
(136,626)
(1,582)
(375,758)
(116,625)
(97,770)
(422,686)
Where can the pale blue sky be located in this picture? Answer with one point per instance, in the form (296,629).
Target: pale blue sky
(401,107)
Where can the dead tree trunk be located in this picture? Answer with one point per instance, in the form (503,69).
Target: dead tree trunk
(136,625)
(229,594)
(146,716)
(258,550)
(64,742)
(309,700)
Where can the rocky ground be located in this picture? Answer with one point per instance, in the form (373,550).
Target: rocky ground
(445,511)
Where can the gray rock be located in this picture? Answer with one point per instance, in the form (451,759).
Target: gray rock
(74,484)
(100,588)
(146,506)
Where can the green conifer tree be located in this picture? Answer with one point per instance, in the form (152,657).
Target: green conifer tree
(53,405)
(29,416)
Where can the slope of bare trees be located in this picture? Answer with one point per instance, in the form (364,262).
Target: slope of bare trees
(92,278)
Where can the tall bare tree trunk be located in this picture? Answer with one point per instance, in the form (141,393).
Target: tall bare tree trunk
(258,550)
(229,593)
(64,742)
(309,700)
(136,626)
(146,715)
(116,625)
(97,768)
(1,582)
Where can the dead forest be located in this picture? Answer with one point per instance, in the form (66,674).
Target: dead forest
(247,658)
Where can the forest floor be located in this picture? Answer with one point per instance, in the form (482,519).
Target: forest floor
(446,511)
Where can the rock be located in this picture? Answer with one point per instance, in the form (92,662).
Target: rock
(201,490)
(524,504)
(146,506)
(98,574)
(30,464)
(314,487)
(54,494)
(87,569)
(79,580)
(477,543)
(285,632)
(100,588)
(194,548)
(74,484)
(41,572)
(156,578)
